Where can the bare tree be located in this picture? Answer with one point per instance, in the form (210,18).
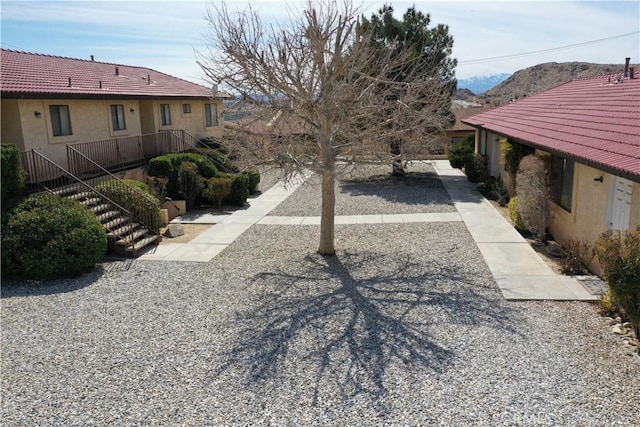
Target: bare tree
(323,95)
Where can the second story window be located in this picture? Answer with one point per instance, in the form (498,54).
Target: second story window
(60,120)
(186,108)
(165,112)
(117,117)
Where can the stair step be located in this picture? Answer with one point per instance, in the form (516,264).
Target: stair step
(122,230)
(132,236)
(90,201)
(65,191)
(100,208)
(81,195)
(115,222)
(107,215)
(142,243)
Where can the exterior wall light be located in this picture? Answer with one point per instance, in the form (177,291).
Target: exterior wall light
(599,179)
(37,114)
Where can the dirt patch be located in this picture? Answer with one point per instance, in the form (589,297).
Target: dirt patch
(190,231)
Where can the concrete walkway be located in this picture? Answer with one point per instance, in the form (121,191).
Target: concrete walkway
(517,269)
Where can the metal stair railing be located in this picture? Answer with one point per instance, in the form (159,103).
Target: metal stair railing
(52,177)
(184,139)
(147,215)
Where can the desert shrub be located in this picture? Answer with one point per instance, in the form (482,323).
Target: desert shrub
(13,176)
(512,152)
(48,237)
(608,305)
(239,190)
(254,180)
(534,195)
(221,160)
(576,258)
(216,189)
(136,197)
(494,189)
(514,213)
(190,182)
(459,151)
(619,256)
(167,166)
(475,167)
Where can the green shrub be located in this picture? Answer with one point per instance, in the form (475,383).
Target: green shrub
(168,165)
(13,176)
(514,214)
(216,189)
(459,151)
(221,160)
(48,237)
(534,194)
(190,182)
(619,256)
(475,167)
(239,190)
(136,197)
(254,180)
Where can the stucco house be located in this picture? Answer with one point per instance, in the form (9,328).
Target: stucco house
(591,129)
(49,102)
(460,130)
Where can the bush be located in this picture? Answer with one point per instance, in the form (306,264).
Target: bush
(167,166)
(190,182)
(48,237)
(619,256)
(494,189)
(475,167)
(514,213)
(13,176)
(216,189)
(239,190)
(534,195)
(459,151)
(136,197)
(512,153)
(221,160)
(254,180)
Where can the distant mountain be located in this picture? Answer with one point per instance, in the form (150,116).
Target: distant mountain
(480,84)
(538,78)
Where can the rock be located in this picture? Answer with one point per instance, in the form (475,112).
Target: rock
(626,325)
(617,330)
(174,230)
(619,319)
(610,321)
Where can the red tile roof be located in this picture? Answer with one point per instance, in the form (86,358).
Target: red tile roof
(37,75)
(463,113)
(593,120)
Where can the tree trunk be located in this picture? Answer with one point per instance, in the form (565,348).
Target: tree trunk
(328,214)
(396,158)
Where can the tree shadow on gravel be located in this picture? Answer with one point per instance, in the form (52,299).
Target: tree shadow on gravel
(414,188)
(346,320)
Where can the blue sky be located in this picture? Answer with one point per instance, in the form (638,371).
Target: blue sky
(163,35)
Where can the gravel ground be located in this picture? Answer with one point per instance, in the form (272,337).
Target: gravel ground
(374,191)
(405,326)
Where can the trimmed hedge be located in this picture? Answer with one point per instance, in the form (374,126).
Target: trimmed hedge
(49,237)
(13,176)
(167,166)
(145,210)
(239,190)
(190,182)
(216,189)
(254,180)
(459,152)
(475,167)
(220,159)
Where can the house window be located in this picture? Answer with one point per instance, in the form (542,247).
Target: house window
(483,142)
(211,114)
(117,117)
(186,108)
(60,120)
(562,181)
(166,114)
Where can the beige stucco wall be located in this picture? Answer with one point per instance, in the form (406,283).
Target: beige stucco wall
(90,121)
(193,123)
(11,126)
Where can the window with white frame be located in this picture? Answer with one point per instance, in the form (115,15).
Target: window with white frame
(211,114)
(117,117)
(165,112)
(483,143)
(60,120)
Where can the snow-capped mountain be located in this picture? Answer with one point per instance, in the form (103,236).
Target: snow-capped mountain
(480,84)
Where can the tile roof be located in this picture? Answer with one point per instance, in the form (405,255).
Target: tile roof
(33,74)
(463,113)
(593,120)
